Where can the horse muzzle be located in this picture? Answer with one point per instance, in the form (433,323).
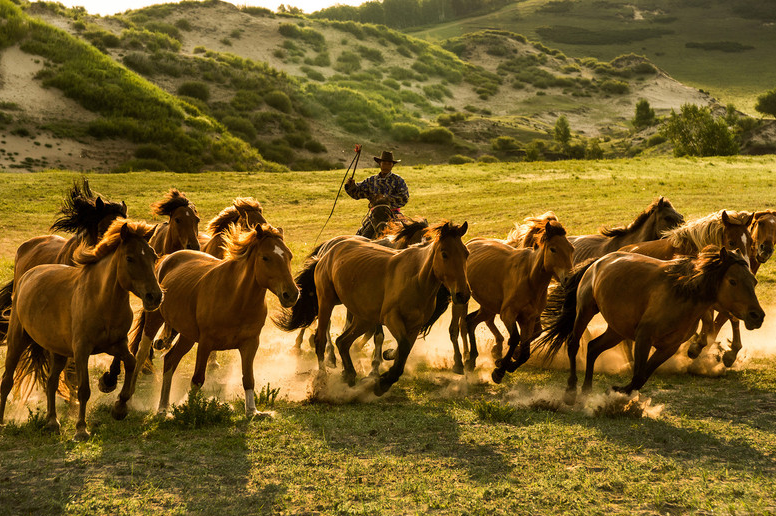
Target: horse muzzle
(754,319)
(152,300)
(288,298)
(764,254)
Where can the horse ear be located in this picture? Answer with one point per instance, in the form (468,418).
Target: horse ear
(124,233)
(123,208)
(463,228)
(99,204)
(749,220)
(280,230)
(661,202)
(725,218)
(723,253)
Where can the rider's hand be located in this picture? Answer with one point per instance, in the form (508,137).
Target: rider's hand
(350,181)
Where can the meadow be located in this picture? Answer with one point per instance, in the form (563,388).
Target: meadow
(436,442)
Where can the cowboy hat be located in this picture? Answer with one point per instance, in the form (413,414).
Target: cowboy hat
(386,156)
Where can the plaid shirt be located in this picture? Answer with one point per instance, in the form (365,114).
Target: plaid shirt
(391,186)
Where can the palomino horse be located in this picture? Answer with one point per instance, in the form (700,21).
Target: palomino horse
(245,212)
(763,232)
(75,312)
(654,302)
(659,217)
(83,213)
(513,284)
(221,304)
(398,234)
(380,286)
(180,231)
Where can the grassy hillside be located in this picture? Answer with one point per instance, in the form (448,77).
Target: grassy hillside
(714,45)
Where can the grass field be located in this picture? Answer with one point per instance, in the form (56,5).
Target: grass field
(436,442)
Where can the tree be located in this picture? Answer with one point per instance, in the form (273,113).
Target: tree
(695,132)
(562,131)
(645,115)
(766,103)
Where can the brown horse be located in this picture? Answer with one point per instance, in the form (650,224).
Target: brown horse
(380,286)
(221,304)
(763,232)
(245,212)
(659,217)
(83,213)
(513,284)
(75,312)
(180,231)
(654,302)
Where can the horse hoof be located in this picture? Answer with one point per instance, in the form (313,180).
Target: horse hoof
(107,383)
(81,436)
(729,358)
(331,362)
(458,368)
(497,352)
(389,354)
(119,410)
(349,378)
(570,396)
(470,365)
(512,366)
(497,375)
(160,344)
(52,427)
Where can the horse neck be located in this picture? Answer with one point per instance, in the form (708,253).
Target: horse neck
(539,277)
(644,233)
(101,278)
(427,279)
(240,274)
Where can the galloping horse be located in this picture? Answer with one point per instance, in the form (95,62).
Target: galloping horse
(81,311)
(83,213)
(513,284)
(763,232)
(245,212)
(654,302)
(180,231)
(380,286)
(659,217)
(221,304)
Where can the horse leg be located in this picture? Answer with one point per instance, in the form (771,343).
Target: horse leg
(640,357)
(729,356)
(297,349)
(321,333)
(119,410)
(527,324)
(501,366)
(150,325)
(377,356)
(171,360)
(354,330)
(81,359)
(110,379)
(58,363)
(212,361)
(658,357)
(454,330)
(586,310)
(18,341)
(391,376)
(701,340)
(331,358)
(247,356)
(471,322)
(595,347)
(165,339)
(497,351)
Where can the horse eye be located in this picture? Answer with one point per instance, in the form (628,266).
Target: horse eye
(444,255)
(265,258)
(732,244)
(732,282)
(177,220)
(130,259)
(552,249)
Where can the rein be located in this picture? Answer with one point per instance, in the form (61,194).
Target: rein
(354,164)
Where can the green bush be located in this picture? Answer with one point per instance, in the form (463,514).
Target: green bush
(494,411)
(695,132)
(371,54)
(312,74)
(505,144)
(278,100)
(240,127)
(348,62)
(195,89)
(655,139)
(198,411)
(448,119)
(404,132)
(766,103)
(437,92)
(315,146)
(460,159)
(183,24)
(439,135)
(246,100)
(487,158)
(140,63)
(614,87)
(645,115)
(142,165)
(163,28)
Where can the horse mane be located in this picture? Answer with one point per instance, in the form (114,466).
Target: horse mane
(529,232)
(637,222)
(80,213)
(706,230)
(238,242)
(400,230)
(698,278)
(110,241)
(231,214)
(440,231)
(172,200)
(552,228)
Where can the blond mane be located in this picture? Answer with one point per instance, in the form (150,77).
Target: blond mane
(530,231)
(239,242)
(704,231)
(110,241)
(171,201)
(231,214)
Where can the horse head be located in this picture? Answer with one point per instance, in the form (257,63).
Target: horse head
(558,251)
(735,233)
(736,290)
(251,212)
(135,263)
(666,217)
(379,216)
(449,259)
(763,231)
(272,261)
(183,225)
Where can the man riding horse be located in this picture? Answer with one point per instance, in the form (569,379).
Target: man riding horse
(385,190)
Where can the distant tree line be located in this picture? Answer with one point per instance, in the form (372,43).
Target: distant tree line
(400,14)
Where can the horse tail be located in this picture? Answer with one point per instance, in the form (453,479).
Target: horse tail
(442,301)
(32,369)
(304,312)
(560,313)
(6,293)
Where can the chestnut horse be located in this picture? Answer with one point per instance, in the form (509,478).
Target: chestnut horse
(220,304)
(513,284)
(659,217)
(75,312)
(654,302)
(180,231)
(245,212)
(380,286)
(83,213)
(763,232)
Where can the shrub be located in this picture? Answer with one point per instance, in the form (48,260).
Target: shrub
(315,146)
(593,150)
(436,92)
(198,411)
(183,24)
(766,103)
(614,87)
(404,132)
(142,165)
(438,135)
(195,89)
(246,100)
(371,54)
(140,63)
(695,132)
(645,115)
(655,139)
(460,159)
(278,100)
(199,49)
(447,120)
(314,75)
(487,158)
(348,62)
(240,127)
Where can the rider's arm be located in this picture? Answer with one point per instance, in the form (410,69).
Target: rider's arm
(401,193)
(360,190)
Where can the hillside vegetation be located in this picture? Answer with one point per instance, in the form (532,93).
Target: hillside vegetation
(301,92)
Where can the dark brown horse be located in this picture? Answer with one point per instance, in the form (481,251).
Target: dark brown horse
(220,304)
(380,286)
(660,216)
(653,302)
(181,230)
(76,312)
(511,283)
(84,214)
(763,233)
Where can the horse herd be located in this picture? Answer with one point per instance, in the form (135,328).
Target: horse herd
(652,281)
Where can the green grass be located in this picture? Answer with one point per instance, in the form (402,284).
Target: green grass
(434,443)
